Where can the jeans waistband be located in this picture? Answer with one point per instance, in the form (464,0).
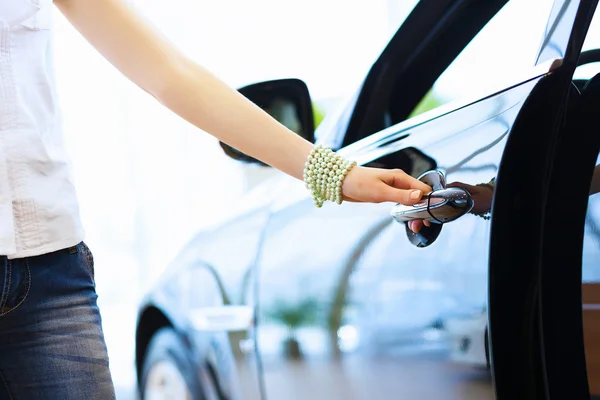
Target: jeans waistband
(68,250)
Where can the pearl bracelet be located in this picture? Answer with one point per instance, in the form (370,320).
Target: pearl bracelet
(324,173)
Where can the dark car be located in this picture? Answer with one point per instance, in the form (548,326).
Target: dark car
(288,301)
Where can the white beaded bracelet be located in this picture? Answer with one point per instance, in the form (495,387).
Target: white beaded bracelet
(324,174)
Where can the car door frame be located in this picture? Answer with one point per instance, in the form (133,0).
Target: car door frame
(434,34)
(535,319)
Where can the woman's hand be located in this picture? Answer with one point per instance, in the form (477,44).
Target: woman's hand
(482,198)
(375,185)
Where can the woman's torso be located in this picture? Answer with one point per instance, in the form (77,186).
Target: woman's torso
(38,203)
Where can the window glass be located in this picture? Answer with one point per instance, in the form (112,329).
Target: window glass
(592,42)
(504,48)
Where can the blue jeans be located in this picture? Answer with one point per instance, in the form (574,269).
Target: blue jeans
(51,341)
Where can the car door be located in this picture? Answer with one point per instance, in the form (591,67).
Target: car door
(586,74)
(348,306)
(554,305)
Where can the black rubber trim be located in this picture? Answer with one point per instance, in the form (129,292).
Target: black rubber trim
(429,205)
(429,208)
(588,57)
(514,259)
(561,292)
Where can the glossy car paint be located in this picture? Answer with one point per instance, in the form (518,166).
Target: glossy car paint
(381,300)
(379,306)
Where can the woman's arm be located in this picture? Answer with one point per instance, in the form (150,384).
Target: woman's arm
(147,58)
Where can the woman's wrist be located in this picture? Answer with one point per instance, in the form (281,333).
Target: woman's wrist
(324,174)
(491,185)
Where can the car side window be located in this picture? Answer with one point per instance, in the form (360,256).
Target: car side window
(590,53)
(592,39)
(505,47)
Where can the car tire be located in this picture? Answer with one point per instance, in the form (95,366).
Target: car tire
(168,372)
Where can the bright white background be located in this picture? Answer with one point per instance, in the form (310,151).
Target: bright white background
(148,181)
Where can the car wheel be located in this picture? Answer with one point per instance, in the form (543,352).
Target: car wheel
(168,372)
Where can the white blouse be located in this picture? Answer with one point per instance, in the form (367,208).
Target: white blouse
(39,211)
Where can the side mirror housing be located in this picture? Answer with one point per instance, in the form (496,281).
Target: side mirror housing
(286,100)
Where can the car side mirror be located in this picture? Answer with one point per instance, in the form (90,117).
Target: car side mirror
(286,100)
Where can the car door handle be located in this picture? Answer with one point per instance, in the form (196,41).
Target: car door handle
(440,206)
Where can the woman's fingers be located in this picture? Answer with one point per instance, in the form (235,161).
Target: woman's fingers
(379,185)
(401,180)
(403,188)
(417,224)
(408,197)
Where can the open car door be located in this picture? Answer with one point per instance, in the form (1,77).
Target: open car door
(538,225)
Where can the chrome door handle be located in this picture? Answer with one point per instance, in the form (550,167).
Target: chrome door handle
(437,207)
(441,205)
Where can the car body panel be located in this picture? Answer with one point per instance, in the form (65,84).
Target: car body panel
(378,296)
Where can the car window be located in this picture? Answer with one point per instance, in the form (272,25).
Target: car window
(339,110)
(504,48)
(592,42)
(587,71)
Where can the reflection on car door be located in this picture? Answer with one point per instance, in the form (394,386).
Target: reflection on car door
(215,300)
(348,306)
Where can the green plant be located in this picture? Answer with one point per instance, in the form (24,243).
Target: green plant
(294,315)
(318,113)
(430,101)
